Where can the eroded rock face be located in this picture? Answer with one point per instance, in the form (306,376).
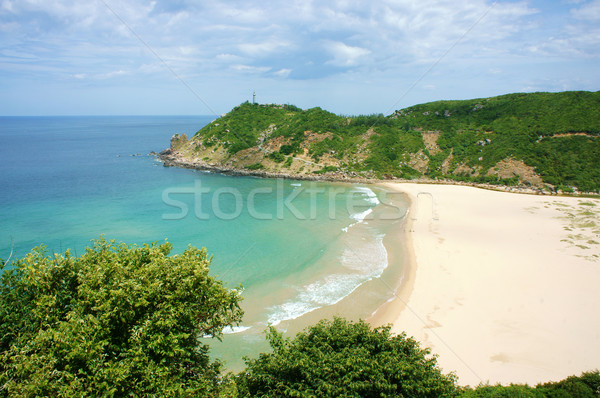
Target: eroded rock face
(430,139)
(178,141)
(508,168)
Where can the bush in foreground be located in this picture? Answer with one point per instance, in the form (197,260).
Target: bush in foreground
(340,358)
(585,386)
(125,321)
(118,320)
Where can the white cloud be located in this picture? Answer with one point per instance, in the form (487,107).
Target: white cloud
(228,57)
(588,12)
(251,14)
(252,42)
(579,37)
(7,5)
(100,76)
(11,53)
(263,48)
(250,69)
(345,55)
(112,74)
(283,72)
(425,30)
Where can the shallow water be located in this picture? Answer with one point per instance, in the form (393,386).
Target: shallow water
(300,249)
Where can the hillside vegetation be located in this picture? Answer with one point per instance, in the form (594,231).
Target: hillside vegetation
(543,140)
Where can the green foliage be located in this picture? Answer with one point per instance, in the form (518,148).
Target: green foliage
(292,108)
(332,145)
(498,391)
(240,128)
(539,128)
(288,149)
(340,358)
(533,113)
(390,151)
(124,320)
(586,385)
(255,166)
(326,169)
(118,320)
(371,121)
(557,134)
(277,157)
(570,161)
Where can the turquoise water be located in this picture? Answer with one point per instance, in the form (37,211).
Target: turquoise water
(298,248)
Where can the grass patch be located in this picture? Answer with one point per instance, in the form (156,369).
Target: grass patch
(326,169)
(255,166)
(587,224)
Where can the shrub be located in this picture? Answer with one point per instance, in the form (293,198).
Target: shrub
(118,320)
(340,358)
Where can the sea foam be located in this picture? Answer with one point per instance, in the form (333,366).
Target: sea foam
(368,192)
(235,329)
(362,262)
(371,198)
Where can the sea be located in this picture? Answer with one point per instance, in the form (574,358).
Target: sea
(299,251)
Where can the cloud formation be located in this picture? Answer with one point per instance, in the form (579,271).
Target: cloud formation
(307,52)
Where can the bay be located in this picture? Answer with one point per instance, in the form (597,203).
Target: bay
(299,249)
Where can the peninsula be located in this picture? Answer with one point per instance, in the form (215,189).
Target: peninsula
(541,142)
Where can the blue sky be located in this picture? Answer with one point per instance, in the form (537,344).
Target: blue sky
(73,57)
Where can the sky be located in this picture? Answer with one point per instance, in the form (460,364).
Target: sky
(198,57)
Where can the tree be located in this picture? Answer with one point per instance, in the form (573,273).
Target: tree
(584,386)
(118,320)
(340,358)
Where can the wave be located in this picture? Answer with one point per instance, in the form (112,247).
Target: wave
(370,260)
(368,192)
(371,198)
(328,291)
(361,216)
(235,329)
(362,265)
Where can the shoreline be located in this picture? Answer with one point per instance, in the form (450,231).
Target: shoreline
(372,294)
(170,158)
(494,289)
(360,303)
(504,339)
(391,310)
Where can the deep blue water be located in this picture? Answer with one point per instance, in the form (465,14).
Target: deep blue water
(66,180)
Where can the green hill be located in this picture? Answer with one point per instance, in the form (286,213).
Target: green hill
(546,140)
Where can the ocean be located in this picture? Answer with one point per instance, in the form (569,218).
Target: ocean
(301,250)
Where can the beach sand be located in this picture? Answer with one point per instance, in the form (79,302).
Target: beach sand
(503,287)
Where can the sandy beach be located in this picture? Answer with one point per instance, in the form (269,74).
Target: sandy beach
(503,287)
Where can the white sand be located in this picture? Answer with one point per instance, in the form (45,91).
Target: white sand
(501,292)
